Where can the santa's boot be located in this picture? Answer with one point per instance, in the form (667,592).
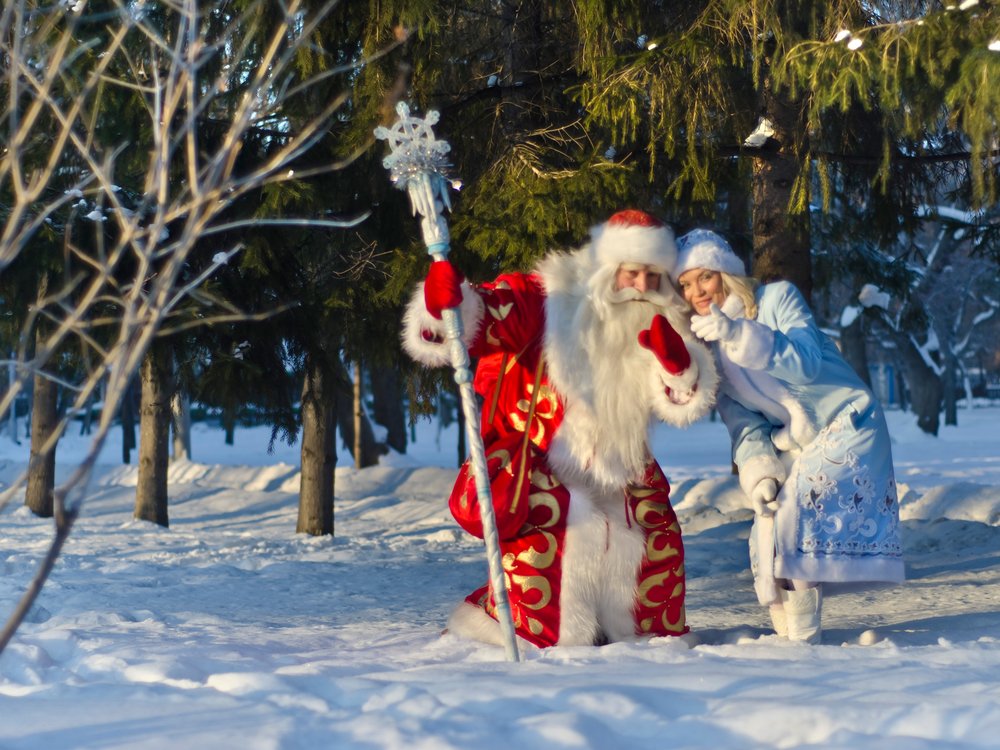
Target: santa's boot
(779,621)
(803,610)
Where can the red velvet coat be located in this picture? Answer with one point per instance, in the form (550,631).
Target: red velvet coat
(531,503)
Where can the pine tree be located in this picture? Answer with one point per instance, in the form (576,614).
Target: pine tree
(558,115)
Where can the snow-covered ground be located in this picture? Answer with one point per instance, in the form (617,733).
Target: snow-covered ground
(228,630)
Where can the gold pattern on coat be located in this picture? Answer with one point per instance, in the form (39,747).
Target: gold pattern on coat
(491,338)
(534,583)
(545,409)
(544,480)
(505,458)
(646,626)
(500,312)
(508,561)
(540,559)
(646,585)
(547,500)
(658,547)
(650,514)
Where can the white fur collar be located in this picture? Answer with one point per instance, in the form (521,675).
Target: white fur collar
(761,391)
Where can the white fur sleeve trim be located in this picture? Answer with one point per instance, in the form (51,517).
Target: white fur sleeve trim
(417,321)
(753,345)
(761,467)
(685,398)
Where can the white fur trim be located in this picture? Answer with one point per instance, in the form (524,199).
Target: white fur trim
(601,557)
(416,321)
(761,467)
(613,245)
(686,404)
(701,248)
(469,621)
(761,391)
(783,440)
(744,363)
(752,346)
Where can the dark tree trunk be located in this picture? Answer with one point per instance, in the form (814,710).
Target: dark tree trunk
(950,384)
(127,414)
(780,239)
(180,406)
(387,410)
(318,454)
(901,389)
(42,463)
(358,412)
(852,346)
(463,450)
(229,424)
(155,415)
(924,385)
(523,24)
(370,449)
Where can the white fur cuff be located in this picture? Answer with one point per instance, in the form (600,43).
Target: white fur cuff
(753,345)
(423,335)
(682,381)
(761,467)
(691,393)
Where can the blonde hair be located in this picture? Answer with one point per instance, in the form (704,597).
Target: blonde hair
(743,287)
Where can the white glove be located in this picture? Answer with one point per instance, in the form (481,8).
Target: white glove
(764,497)
(716,326)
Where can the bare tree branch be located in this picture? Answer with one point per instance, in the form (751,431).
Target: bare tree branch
(132,283)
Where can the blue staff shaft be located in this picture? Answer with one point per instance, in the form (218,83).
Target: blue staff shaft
(477,453)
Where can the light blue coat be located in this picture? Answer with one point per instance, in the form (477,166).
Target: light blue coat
(797,412)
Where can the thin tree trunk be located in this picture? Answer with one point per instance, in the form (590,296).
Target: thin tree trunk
(388,409)
(127,413)
(925,387)
(358,413)
(154,435)
(852,346)
(346,416)
(44,418)
(42,466)
(318,454)
(180,406)
(229,424)
(12,415)
(463,450)
(950,384)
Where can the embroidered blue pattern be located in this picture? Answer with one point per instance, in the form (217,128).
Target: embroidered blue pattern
(844,510)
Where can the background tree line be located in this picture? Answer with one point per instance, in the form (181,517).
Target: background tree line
(194,207)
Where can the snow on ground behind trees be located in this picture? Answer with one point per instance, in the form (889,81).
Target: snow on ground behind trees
(229,630)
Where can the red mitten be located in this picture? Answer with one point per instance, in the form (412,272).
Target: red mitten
(668,346)
(442,289)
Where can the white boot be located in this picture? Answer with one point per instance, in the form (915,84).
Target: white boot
(803,610)
(779,620)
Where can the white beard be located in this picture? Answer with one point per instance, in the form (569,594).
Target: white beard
(597,366)
(615,418)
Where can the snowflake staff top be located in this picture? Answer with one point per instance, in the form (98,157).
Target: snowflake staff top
(417,164)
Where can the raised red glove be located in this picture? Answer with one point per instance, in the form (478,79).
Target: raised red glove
(442,289)
(668,346)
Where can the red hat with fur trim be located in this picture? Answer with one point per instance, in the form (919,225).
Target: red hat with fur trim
(634,236)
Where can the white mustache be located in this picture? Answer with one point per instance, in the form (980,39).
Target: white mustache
(631,294)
